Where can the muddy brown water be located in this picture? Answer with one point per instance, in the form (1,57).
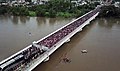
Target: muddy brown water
(101,39)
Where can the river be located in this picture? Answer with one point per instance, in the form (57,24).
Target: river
(101,39)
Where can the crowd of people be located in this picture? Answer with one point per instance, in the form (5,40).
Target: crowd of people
(57,36)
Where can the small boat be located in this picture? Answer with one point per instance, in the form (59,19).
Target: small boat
(84,51)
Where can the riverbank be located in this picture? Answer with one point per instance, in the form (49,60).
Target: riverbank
(53,8)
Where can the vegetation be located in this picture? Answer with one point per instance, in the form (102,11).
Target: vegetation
(53,8)
(32,13)
(19,10)
(110,11)
(3,10)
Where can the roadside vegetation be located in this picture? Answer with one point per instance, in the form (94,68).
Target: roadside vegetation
(52,8)
(110,11)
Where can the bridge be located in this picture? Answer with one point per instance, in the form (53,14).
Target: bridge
(39,51)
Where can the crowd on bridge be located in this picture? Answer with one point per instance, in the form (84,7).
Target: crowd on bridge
(63,32)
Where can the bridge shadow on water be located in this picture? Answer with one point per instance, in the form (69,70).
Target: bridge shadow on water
(57,57)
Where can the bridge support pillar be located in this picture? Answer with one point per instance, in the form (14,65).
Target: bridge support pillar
(80,30)
(68,40)
(47,59)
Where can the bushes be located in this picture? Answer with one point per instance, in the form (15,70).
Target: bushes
(60,14)
(40,10)
(3,10)
(52,13)
(64,14)
(19,11)
(23,11)
(109,11)
(32,13)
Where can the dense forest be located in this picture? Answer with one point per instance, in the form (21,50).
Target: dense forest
(53,8)
(109,11)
